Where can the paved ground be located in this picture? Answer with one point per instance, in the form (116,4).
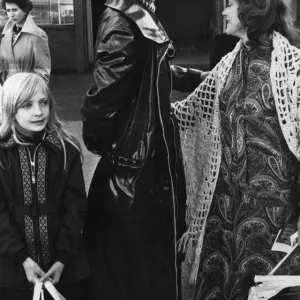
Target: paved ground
(69,90)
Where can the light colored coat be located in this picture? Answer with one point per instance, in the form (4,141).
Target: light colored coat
(29,52)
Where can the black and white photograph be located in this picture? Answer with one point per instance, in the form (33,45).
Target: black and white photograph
(149,149)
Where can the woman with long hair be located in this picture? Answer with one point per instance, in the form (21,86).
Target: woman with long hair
(240,140)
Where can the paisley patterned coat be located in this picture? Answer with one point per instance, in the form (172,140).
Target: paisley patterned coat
(199,121)
(254,192)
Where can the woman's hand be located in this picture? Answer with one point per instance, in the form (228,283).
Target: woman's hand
(203,75)
(54,273)
(32,270)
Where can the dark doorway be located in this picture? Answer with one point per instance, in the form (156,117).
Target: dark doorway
(97,9)
(186,21)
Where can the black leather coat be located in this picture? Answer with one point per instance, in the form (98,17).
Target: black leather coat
(137,195)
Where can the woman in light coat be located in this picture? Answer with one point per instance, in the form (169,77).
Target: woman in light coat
(24,46)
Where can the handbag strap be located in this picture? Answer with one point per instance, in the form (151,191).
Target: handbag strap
(53,291)
(38,287)
(38,292)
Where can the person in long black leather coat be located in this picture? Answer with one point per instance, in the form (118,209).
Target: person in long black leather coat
(137,196)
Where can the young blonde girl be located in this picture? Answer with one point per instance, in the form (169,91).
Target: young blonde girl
(43,201)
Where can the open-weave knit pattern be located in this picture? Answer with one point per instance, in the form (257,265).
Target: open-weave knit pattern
(285,79)
(199,122)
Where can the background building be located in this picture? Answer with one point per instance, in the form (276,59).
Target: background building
(71,25)
(64,23)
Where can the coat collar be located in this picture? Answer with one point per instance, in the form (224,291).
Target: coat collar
(29,27)
(150,28)
(50,140)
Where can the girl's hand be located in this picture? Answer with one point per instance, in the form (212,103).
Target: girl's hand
(32,270)
(54,273)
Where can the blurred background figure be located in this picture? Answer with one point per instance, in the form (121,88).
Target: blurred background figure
(24,45)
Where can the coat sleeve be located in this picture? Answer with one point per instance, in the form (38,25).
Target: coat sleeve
(74,210)
(42,58)
(11,242)
(185,79)
(117,62)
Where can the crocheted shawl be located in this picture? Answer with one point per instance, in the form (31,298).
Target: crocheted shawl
(199,122)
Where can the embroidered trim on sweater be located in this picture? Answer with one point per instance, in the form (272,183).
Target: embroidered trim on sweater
(54,140)
(27,192)
(41,194)
(41,197)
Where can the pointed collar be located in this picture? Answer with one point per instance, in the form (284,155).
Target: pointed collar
(50,140)
(149,27)
(53,141)
(29,26)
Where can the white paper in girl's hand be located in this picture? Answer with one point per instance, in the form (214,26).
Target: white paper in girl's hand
(38,290)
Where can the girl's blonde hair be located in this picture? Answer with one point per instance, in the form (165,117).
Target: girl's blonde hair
(17,89)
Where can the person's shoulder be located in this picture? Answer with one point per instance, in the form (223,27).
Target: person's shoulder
(58,142)
(71,147)
(39,36)
(282,45)
(7,27)
(113,19)
(73,153)
(7,142)
(31,29)
(42,33)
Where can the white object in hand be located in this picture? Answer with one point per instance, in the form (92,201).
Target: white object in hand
(38,293)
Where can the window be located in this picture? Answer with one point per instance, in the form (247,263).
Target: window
(49,12)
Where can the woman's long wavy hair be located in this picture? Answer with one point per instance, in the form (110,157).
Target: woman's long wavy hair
(262,17)
(17,89)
